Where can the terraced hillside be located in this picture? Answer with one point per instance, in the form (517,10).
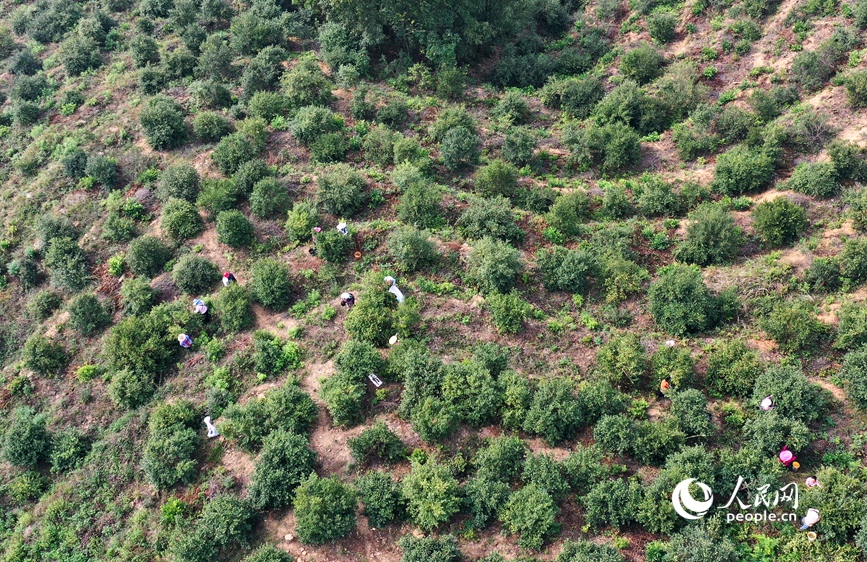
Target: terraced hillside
(581,204)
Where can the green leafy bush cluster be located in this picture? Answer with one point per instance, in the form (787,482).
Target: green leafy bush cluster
(195,275)
(172,442)
(284,462)
(287,408)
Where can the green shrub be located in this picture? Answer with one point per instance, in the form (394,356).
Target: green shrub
(313,123)
(431,493)
(272,355)
(566,270)
(435,419)
(306,84)
(430,549)
(343,396)
(411,249)
(611,502)
(451,118)
(583,467)
(67,263)
(87,314)
(394,112)
(149,344)
(519,146)
(616,203)
(824,275)
(44,356)
(137,297)
(285,461)
(661,26)
(473,393)
(144,50)
(210,126)
(233,151)
(43,304)
(341,191)
(147,255)
(508,311)
(611,147)
(497,178)
(286,408)
(178,181)
(492,265)
(377,444)
(689,408)
(103,170)
(779,221)
(768,432)
(816,179)
(419,206)
(554,412)
(332,246)
(130,389)
(232,306)
(301,221)
(853,259)
(269,199)
(501,460)
(168,456)
(268,553)
(622,360)
(742,169)
(381,497)
(26,441)
(162,121)
(543,471)
(854,374)
(459,148)
(794,396)
(249,174)
(586,551)
(530,513)
(234,229)
(210,94)
(266,105)
(227,520)
(680,302)
(848,160)
(512,108)
(657,198)
(674,363)
(195,275)
(711,236)
(181,220)
(330,147)
(68,449)
(378,145)
(856,88)
(324,510)
(372,318)
(569,212)
(217,195)
(794,327)
(489,218)
(483,500)
(733,369)
(642,64)
(79,54)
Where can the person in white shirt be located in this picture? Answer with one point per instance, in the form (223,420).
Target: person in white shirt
(391,282)
(810,519)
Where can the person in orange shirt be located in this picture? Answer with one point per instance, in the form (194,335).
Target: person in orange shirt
(664,388)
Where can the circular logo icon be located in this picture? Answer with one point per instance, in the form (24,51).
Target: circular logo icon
(685,505)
